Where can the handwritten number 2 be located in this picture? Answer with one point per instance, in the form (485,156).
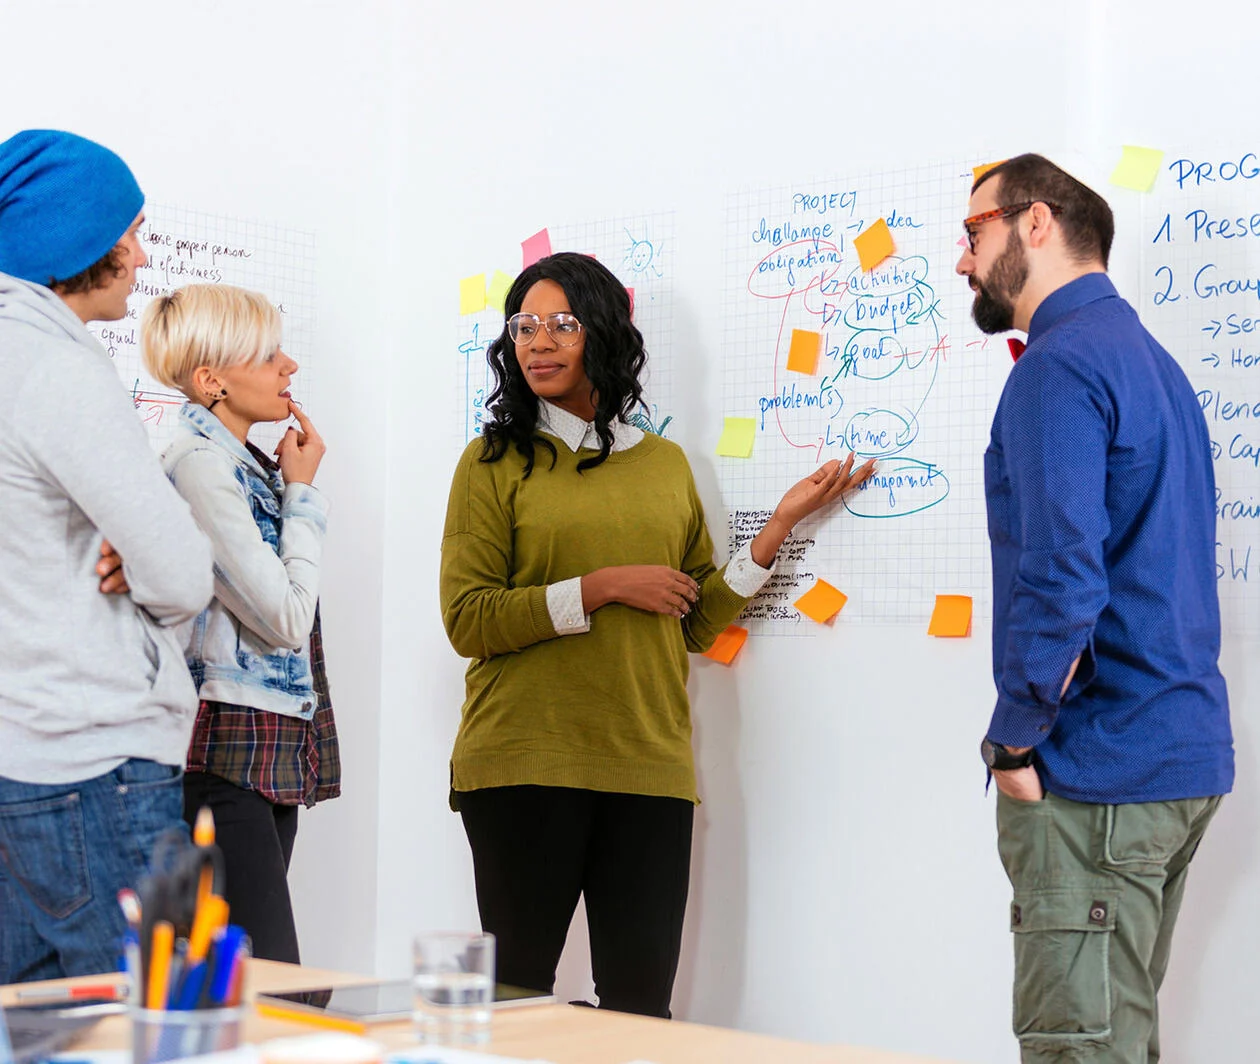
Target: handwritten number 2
(1166,295)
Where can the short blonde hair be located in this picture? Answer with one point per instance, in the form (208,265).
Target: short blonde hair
(213,325)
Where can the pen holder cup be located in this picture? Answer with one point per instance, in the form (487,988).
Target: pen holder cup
(161,1036)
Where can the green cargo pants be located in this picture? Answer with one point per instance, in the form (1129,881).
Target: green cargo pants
(1097,891)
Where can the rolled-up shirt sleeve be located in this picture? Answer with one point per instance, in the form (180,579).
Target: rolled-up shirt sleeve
(1054,430)
(564,603)
(743,575)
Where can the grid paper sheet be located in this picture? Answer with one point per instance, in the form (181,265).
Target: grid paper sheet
(639,250)
(193,247)
(903,376)
(1200,297)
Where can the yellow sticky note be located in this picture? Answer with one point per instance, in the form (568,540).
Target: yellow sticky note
(472,294)
(978,172)
(737,437)
(803,354)
(874,245)
(727,644)
(952,616)
(497,290)
(1138,168)
(821,602)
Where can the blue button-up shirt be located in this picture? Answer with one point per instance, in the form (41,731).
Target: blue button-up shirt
(1102,520)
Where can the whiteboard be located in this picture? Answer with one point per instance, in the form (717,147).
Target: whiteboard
(186,246)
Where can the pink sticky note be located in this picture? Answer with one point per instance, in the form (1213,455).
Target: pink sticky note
(536,247)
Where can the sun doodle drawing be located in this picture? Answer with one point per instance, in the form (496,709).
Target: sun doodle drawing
(642,255)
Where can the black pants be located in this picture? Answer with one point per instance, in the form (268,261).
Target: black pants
(256,837)
(536,849)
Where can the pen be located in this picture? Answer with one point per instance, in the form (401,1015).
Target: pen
(331,1023)
(72,993)
(160,964)
(203,836)
(226,951)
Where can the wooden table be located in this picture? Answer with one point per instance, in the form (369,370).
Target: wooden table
(559,1033)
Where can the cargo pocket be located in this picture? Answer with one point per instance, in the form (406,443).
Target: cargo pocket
(43,846)
(1063,967)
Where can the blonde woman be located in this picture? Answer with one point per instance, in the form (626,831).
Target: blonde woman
(264,742)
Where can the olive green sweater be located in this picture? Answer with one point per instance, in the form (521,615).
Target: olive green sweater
(606,710)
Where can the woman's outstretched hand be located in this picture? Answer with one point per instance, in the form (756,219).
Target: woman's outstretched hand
(821,488)
(824,486)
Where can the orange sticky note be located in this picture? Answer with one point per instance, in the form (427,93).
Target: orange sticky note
(978,172)
(951,617)
(727,644)
(821,602)
(803,354)
(874,245)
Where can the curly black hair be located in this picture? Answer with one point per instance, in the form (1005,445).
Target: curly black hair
(613,359)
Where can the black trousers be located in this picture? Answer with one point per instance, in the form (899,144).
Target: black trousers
(256,837)
(536,849)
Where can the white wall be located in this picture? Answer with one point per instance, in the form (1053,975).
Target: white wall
(274,112)
(845,882)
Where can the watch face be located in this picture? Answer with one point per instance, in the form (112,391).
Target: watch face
(988,753)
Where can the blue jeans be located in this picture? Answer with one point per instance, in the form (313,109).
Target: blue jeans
(66,850)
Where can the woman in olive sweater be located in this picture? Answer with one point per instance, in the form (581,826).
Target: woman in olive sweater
(577,573)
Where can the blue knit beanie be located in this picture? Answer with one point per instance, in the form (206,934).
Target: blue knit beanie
(64,203)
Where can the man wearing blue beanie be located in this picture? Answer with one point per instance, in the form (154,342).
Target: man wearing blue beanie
(99,559)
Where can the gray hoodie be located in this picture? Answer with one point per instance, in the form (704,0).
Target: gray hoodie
(86,680)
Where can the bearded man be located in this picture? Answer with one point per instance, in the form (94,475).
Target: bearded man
(1110,742)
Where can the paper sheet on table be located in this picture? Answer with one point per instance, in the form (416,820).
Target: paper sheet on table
(951,616)
(447,1055)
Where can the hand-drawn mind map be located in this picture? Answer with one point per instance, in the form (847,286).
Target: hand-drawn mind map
(903,376)
(192,247)
(639,250)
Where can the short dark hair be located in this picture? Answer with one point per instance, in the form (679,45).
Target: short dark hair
(1087,221)
(105,269)
(613,359)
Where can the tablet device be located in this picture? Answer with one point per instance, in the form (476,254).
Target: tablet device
(386,1001)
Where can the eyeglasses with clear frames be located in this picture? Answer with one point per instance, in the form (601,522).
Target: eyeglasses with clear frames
(972,225)
(561,326)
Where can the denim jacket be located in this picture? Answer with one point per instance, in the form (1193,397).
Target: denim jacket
(251,646)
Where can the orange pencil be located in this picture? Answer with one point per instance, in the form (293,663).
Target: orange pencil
(314,1019)
(203,835)
(160,948)
(210,917)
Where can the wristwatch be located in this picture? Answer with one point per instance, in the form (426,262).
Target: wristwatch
(997,756)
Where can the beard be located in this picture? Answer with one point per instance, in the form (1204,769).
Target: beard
(994,306)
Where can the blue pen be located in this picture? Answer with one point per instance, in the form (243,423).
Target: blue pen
(226,951)
(190,988)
